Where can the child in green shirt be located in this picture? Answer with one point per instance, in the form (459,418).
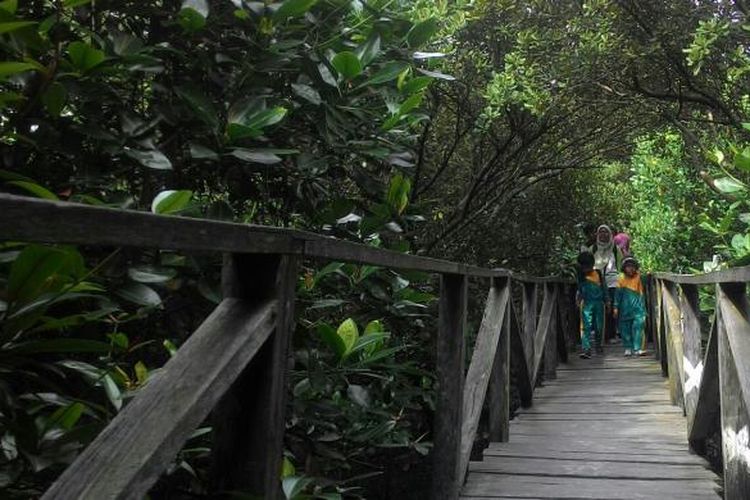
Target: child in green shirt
(591,297)
(630,307)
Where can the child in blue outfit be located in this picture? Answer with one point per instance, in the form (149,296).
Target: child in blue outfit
(591,297)
(630,307)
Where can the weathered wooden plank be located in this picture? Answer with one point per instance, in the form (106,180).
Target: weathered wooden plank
(518,348)
(674,338)
(446,451)
(708,405)
(480,368)
(550,344)
(530,314)
(692,355)
(731,275)
(132,451)
(498,392)
(734,381)
(35,220)
(626,453)
(594,468)
(542,329)
(248,422)
(545,487)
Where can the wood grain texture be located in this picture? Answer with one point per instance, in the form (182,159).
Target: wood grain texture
(734,381)
(446,450)
(132,451)
(692,362)
(604,429)
(498,391)
(707,407)
(249,420)
(480,368)
(674,340)
(542,329)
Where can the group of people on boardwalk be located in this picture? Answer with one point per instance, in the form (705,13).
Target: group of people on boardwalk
(611,294)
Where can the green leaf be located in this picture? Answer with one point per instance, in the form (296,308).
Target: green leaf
(746,126)
(140,294)
(119,339)
(348,333)
(201,106)
(200,152)
(347,64)
(416,85)
(422,33)
(35,189)
(84,57)
(387,73)
(14,25)
(307,92)
(60,346)
(192,15)
(170,201)
(293,8)
(409,104)
(294,486)
(287,468)
(39,269)
(729,185)
(170,347)
(369,49)
(151,274)
(330,337)
(742,160)
(141,372)
(398,193)
(112,391)
(66,417)
(436,74)
(257,156)
(71,4)
(374,327)
(151,158)
(9,68)
(249,118)
(54,99)
(9,6)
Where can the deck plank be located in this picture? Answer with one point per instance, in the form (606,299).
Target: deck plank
(603,429)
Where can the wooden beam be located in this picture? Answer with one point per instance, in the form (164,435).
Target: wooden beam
(692,355)
(498,397)
(480,368)
(731,275)
(542,330)
(530,315)
(708,406)
(130,454)
(550,344)
(450,379)
(734,381)
(674,341)
(518,343)
(249,420)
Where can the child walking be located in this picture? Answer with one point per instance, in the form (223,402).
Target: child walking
(630,307)
(591,297)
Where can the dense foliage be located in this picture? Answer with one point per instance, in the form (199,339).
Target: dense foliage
(487,131)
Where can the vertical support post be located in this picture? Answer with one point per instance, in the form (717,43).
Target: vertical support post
(530,313)
(249,419)
(692,362)
(661,330)
(450,378)
(550,344)
(498,397)
(563,313)
(673,337)
(733,329)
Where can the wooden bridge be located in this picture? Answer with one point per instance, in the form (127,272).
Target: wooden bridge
(603,428)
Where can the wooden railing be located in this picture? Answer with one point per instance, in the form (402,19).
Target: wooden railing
(234,364)
(709,377)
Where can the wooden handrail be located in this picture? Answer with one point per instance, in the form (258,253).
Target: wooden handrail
(711,386)
(235,363)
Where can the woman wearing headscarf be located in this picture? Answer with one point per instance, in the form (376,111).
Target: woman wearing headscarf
(607,259)
(622,241)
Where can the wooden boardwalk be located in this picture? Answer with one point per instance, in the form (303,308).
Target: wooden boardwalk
(604,429)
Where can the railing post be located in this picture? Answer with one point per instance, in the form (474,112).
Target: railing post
(692,362)
(733,330)
(530,313)
(550,345)
(498,399)
(249,419)
(673,337)
(450,378)
(661,330)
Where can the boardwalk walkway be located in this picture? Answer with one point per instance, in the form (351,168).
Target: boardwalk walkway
(604,429)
